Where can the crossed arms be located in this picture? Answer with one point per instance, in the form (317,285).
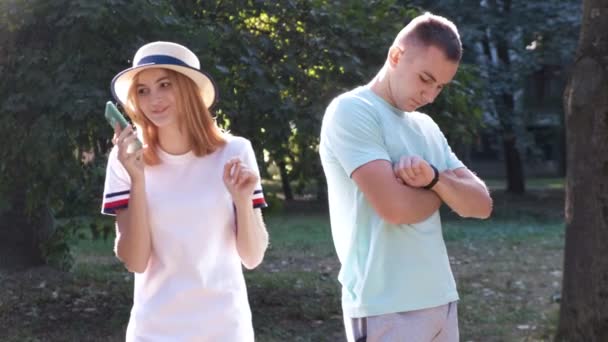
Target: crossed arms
(396,192)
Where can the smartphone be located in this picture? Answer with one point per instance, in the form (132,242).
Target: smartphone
(114,116)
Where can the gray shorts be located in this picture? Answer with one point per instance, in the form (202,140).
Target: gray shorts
(438,324)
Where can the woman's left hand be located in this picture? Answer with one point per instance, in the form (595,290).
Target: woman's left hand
(239,180)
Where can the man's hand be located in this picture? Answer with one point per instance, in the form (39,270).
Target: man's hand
(414,171)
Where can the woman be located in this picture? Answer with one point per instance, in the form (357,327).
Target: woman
(187,205)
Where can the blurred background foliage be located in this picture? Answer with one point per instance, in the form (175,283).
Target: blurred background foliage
(277,65)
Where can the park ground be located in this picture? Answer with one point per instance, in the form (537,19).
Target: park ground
(508,270)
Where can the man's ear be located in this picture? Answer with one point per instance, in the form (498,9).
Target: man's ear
(394,55)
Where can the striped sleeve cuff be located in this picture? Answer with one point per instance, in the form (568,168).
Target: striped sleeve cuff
(114,201)
(258,199)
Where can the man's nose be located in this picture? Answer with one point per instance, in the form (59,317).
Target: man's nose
(429,96)
(426,98)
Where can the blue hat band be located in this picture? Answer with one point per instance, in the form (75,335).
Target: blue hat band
(161,59)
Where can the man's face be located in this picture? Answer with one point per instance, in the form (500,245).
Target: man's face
(417,75)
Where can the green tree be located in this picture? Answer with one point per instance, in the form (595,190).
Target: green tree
(57,58)
(509,41)
(277,66)
(283,62)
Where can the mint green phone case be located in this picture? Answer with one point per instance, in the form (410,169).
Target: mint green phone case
(113,116)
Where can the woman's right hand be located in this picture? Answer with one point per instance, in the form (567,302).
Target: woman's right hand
(131,160)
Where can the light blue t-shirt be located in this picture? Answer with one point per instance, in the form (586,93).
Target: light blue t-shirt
(386,268)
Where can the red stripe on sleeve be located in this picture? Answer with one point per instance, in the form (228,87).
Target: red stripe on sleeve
(110,205)
(259,201)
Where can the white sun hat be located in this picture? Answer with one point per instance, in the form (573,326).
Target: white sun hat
(169,56)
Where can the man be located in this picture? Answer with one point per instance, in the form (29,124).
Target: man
(389,169)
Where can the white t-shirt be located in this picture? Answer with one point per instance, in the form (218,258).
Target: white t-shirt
(193,287)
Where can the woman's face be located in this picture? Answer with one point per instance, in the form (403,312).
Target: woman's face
(156,97)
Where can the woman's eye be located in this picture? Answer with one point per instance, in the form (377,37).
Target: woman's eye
(142,91)
(425,80)
(165,84)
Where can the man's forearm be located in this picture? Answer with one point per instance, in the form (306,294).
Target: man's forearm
(413,205)
(467,196)
(394,202)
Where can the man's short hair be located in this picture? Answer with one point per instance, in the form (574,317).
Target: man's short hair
(432,30)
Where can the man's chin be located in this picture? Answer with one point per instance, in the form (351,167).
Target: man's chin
(409,108)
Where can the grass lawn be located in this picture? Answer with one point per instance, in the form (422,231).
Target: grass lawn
(531,183)
(508,271)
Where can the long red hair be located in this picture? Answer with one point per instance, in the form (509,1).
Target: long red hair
(194,118)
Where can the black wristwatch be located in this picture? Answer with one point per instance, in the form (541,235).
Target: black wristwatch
(435,179)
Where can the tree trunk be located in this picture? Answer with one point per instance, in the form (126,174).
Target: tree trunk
(514,167)
(584,306)
(285,181)
(321,195)
(561,150)
(21,236)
